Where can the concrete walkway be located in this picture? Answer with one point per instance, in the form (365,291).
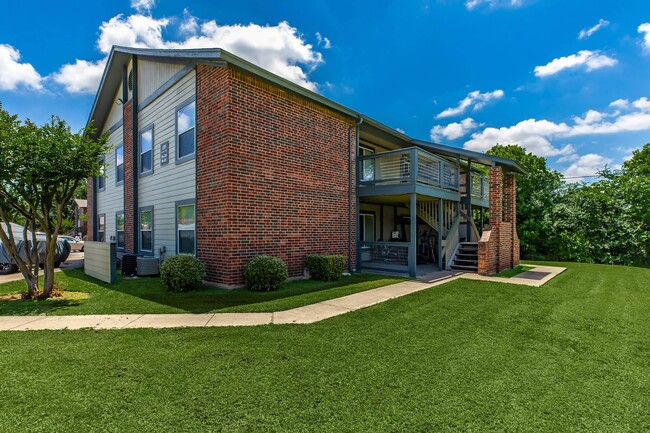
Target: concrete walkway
(301,315)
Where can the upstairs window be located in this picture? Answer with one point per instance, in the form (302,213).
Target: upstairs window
(146,151)
(368,168)
(185,128)
(119,164)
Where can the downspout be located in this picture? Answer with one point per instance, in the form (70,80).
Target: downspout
(351,158)
(135,155)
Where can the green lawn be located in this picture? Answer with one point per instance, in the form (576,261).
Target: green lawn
(573,355)
(147,295)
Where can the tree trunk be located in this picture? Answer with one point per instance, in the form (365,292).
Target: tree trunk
(48,269)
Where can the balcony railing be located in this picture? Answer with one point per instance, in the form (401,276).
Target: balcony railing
(480,186)
(407,166)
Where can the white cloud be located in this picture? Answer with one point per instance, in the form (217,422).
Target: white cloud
(645,30)
(586,33)
(586,165)
(473,4)
(590,60)
(620,103)
(279,49)
(143,6)
(454,130)
(14,74)
(538,136)
(474,99)
(81,76)
(189,24)
(323,41)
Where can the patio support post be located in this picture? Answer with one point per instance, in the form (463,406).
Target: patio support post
(468,207)
(413,251)
(440,234)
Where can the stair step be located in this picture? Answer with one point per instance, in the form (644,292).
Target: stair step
(464,268)
(465,261)
(470,243)
(467,256)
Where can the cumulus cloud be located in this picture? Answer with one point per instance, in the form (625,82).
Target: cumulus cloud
(143,6)
(475,100)
(589,60)
(585,166)
(279,48)
(538,136)
(644,29)
(473,4)
(454,130)
(620,103)
(586,33)
(81,76)
(14,74)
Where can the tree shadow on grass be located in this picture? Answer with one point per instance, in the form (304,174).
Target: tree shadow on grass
(207,299)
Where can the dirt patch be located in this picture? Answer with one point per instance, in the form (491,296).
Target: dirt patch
(58,295)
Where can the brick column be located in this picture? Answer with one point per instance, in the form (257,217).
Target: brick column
(90,210)
(129,224)
(496,195)
(510,215)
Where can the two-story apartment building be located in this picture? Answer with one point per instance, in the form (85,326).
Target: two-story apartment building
(214,156)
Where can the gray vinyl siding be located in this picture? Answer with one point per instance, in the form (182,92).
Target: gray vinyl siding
(172,182)
(152,75)
(111,199)
(115,115)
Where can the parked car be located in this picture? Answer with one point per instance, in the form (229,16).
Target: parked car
(75,245)
(7,264)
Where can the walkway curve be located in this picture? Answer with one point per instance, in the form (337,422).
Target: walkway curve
(301,315)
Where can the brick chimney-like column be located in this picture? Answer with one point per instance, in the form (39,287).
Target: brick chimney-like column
(496,195)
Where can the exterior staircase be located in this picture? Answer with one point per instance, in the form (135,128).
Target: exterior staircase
(466,258)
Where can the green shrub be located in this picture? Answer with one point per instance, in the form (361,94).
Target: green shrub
(182,273)
(325,267)
(265,273)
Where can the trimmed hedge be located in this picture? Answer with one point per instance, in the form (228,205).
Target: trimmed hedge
(265,273)
(325,267)
(182,273)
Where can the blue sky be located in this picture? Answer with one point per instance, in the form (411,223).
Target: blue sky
(566,79)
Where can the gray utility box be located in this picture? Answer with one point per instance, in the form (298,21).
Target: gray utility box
(148,266)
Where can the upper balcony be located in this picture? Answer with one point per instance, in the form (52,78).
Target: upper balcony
(480,189)
(404,171)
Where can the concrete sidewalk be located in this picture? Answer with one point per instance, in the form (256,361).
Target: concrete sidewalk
(301,315)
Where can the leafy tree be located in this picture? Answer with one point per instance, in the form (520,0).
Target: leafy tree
(536,194)
(41,167)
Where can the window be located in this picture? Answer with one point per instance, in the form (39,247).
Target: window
(101,179)
(186,228)
(146,229)
(146,151)
(369,164)
(367,226)
(185,127)
(101,228)
(119,229)
(119,164)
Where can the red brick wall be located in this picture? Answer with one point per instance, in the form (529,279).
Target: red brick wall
(90,220)
(129,172)
(272,176)
(498,248)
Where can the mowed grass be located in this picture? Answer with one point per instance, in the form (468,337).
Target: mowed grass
(147,295)
(466,356)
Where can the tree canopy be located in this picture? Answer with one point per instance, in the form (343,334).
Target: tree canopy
(41,167)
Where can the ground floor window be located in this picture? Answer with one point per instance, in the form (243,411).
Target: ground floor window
(146,229)
(367,226)
(101,228)
(186,227)
(119,229)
